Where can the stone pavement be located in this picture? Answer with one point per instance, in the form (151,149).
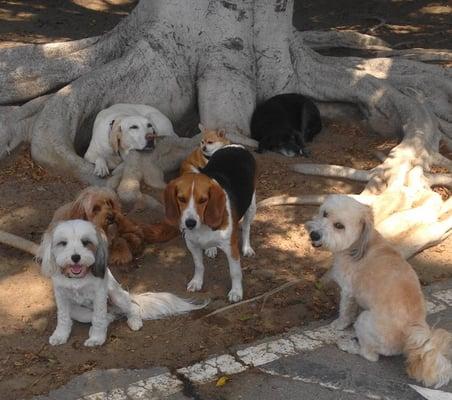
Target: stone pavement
(302,364)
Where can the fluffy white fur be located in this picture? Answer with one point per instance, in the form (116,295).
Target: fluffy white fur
(121,128)
(74,255)
(380,293)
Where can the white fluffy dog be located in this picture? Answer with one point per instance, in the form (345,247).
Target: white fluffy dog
(74,254)
(380,293)
(121,128)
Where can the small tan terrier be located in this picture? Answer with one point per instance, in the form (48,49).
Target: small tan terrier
(380,293)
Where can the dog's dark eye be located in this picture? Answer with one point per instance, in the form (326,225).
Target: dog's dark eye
(202,200)
(62,243)
(182,199)
(96,209)
(209,142)
(134,127)
(86,242)
(149,125)
(338,225)
(325,214)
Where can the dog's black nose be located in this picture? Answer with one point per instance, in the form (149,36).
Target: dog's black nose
(315,236)
(190,223)
(75,258)
(149,140)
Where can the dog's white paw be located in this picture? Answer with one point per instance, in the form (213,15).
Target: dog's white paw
(348,344)
(211,252)
(95,341)
(339,324)
(194,285)
(57,339)
(235,295)
(248,251)
(101,168)
(135,322)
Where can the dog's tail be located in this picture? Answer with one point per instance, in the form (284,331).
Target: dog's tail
(160,305)
(159,232)
(427,351)
(19,243)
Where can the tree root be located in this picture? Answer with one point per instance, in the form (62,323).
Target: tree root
(318,40)
(341,172)
(349,39)
(19,243)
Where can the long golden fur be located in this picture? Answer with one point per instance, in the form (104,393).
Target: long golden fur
(380,293)
(126,238)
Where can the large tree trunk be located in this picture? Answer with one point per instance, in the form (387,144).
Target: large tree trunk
(214,60)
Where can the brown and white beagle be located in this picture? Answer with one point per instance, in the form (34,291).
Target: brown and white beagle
(208,206)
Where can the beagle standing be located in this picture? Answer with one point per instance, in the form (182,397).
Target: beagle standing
(208,206)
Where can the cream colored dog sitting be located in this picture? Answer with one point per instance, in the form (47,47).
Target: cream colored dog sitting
(380,293)
(121,128)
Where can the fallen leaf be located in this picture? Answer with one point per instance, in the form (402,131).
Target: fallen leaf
(222,381)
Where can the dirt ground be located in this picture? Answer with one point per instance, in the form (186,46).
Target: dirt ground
(29,195)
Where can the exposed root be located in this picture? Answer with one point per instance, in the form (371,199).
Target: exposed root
(341,172)
(349,39)
(334,171)
(417,54)
(307,200)
(19,243)
(381,23)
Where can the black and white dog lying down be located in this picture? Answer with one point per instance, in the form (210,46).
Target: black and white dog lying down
(284,123)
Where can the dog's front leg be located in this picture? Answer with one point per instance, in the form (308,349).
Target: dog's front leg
(99,324)
(235,271)
(101,167)
(198,278)
(64,321)
(348,310)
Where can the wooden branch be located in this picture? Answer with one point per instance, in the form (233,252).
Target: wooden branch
(261,296)
(19,243)
(333,171)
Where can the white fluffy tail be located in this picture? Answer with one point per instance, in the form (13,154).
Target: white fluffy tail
(427,351)
(160,305)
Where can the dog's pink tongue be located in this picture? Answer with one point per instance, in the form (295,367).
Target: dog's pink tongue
(76,269)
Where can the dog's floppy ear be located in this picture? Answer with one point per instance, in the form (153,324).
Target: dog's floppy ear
(78,209)
(216,207)
(359,248)
(45,256)
(115,136)
(100,263)
(172,211)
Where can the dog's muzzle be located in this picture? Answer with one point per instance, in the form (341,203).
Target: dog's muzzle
(150,142)
(190,223)
(315,238)
(76,270)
